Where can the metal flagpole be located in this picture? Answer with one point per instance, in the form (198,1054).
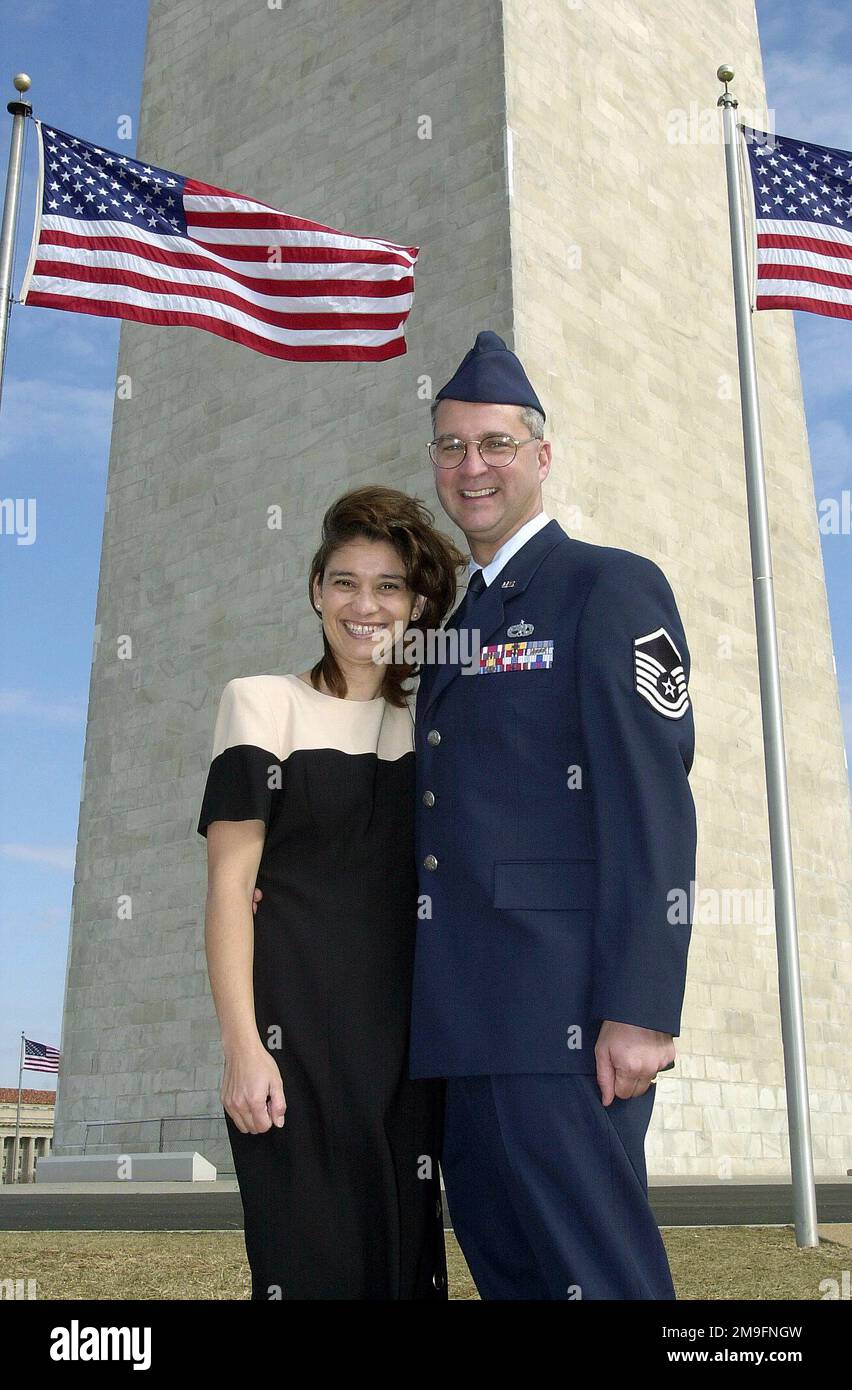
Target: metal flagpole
(789,980)
(20,111)
(14,1177)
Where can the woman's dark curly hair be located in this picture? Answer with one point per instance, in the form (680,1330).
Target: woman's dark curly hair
(430,560)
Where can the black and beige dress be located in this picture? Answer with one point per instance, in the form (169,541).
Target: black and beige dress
(343,1201)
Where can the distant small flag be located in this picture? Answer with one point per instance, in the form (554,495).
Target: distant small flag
(803,216)
(39,1057)
(123,239)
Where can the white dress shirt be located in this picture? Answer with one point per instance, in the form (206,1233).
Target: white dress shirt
(508,549)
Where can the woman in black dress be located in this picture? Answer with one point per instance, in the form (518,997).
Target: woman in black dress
(310,797)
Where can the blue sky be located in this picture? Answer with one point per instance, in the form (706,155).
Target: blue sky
(85,59)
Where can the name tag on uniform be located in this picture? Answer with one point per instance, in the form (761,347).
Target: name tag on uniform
(516,656)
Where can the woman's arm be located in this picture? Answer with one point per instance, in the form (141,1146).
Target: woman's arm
(252,1077)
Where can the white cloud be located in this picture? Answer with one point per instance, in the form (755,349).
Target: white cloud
(76,342)
(831,456)
(44,415)
(808,77)
(68,712)
(51,856)
(824,355)
(39,16)
(49,919)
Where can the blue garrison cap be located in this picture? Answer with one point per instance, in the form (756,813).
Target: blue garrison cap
(490,372)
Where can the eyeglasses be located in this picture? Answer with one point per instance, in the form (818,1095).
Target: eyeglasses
(497,450)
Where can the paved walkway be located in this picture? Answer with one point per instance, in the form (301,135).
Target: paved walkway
(209,1206)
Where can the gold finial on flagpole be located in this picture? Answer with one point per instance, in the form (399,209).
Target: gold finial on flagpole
(725,73)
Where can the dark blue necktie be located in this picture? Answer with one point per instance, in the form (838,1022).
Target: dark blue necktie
(474,589)
(477,583)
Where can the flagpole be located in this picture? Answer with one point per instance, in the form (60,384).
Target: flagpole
(20,111)
(18,1115)
(789,979)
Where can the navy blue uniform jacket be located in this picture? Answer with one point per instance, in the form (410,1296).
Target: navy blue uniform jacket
(555,826)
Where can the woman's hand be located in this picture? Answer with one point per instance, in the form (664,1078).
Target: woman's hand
(256,897)
(252,1092)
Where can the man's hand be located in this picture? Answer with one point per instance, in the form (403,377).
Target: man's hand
(628,1059)
(256,897)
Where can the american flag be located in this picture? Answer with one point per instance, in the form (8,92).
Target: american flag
(117,237)
(39,1056)
(803,222)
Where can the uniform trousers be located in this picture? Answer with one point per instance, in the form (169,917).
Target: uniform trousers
(547,1189)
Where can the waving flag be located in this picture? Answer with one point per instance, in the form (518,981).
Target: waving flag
(803,218)
(40,1056)
(117,237)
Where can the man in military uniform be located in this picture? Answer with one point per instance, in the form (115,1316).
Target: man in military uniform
(556,849)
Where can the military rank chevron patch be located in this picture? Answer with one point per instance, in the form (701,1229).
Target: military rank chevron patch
(658,674)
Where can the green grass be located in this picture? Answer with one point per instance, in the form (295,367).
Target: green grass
(714,1262)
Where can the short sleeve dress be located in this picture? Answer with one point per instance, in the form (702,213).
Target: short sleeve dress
(343,1201)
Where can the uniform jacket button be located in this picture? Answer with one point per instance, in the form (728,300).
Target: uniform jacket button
(430,862)
(438,1280)
(439,1208)
(433,737)
(428,798)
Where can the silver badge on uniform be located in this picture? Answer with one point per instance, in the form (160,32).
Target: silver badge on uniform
(658,674)
(520,629)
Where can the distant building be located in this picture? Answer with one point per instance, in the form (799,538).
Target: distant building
(35,1136)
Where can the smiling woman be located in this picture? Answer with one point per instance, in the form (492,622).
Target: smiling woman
(310,798)
(380,569)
